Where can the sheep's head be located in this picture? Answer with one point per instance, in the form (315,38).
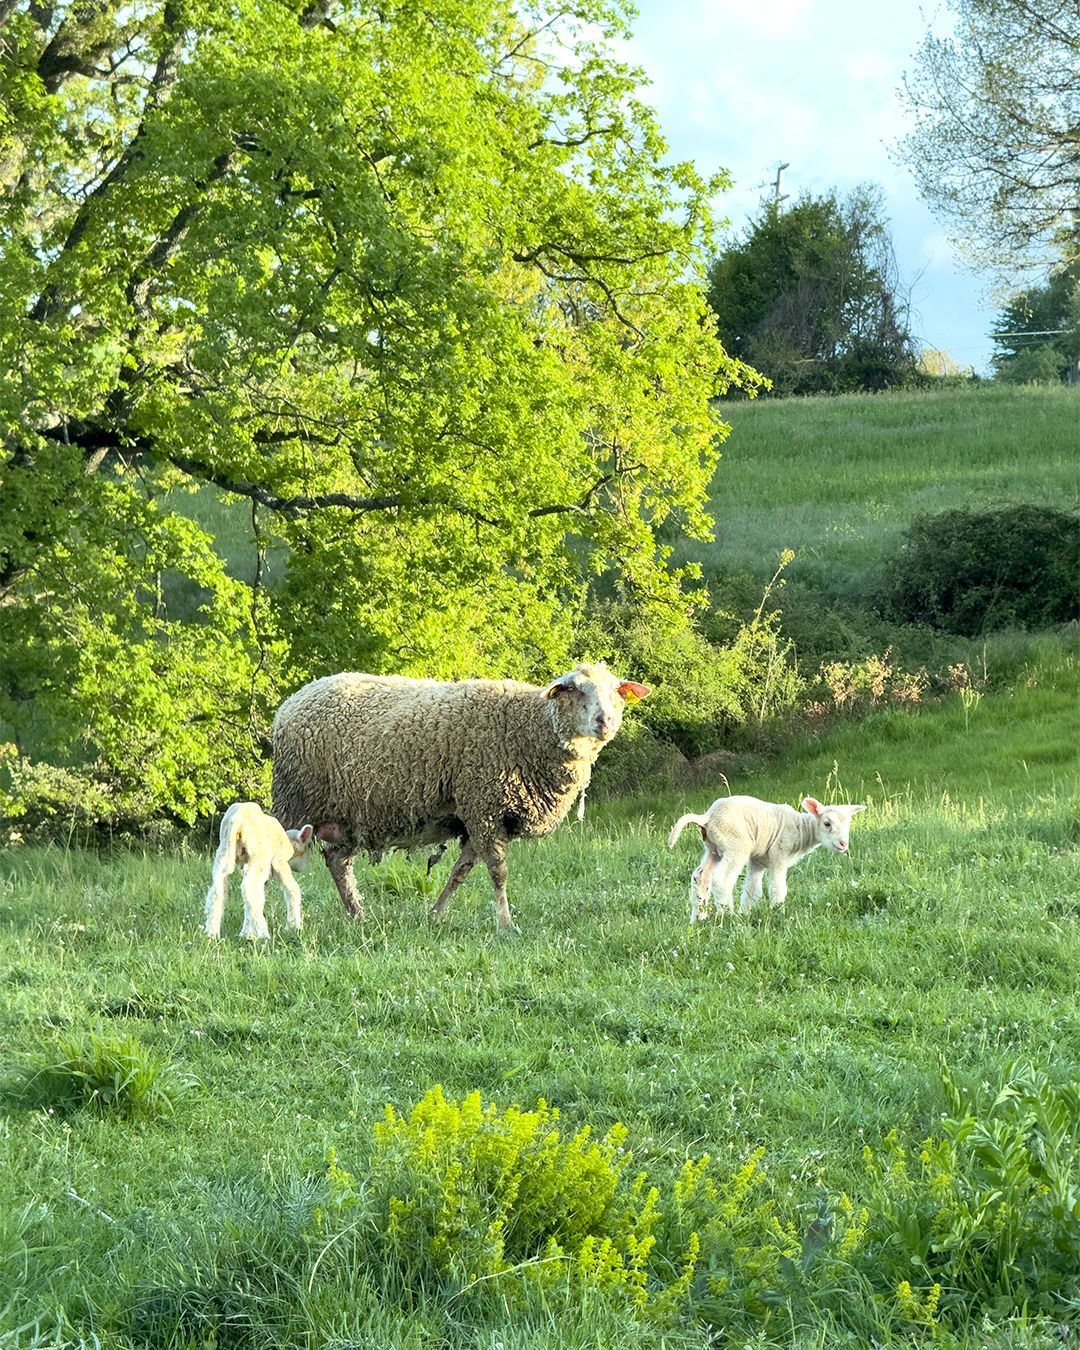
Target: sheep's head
(588,703)
(833,822)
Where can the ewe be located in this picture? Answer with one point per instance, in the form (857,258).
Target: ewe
(743,832)
(381,762)
(259,843)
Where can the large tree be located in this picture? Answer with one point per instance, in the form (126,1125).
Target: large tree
(996,142)
(811,297)
(412,282)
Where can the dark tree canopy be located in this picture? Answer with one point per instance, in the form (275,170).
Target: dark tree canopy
(996,143)
(811,298)
(403,298)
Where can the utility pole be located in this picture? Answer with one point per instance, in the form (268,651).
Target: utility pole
(779,196)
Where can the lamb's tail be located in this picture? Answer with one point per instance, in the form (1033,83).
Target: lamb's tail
(224,866)
(680,825)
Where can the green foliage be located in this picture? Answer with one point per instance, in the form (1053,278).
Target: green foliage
(988,1217)
(810,296)
(107,1074)
(418,286)
(1051,315)
(972,571)
(704,687)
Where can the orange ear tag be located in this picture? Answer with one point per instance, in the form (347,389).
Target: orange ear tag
(631,691)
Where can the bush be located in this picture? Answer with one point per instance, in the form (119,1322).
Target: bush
(969,572)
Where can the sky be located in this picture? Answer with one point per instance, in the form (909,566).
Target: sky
(745,85)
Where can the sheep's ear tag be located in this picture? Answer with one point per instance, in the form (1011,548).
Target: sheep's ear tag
(631,691)
(559,687)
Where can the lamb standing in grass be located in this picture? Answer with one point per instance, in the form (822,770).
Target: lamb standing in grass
(763,837)
(261,845)
(381,762)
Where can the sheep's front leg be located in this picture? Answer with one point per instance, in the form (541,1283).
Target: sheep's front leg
(777,883)
(253,889)
(340,863)
(460,870)
(751,890)
(293,913)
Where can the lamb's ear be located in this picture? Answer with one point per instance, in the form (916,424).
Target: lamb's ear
(631,691)
(856,809)
(812,805)
(304,837)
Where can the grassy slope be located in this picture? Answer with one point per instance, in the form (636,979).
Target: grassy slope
(837,480)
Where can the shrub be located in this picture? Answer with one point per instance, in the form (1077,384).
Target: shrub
(971,571)
(466,1196)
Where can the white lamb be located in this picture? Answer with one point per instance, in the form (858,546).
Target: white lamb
(763,837)
(261,845)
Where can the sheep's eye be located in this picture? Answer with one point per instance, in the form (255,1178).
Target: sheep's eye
(827,824)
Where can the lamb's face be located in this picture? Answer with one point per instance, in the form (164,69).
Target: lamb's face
(833,823)
(588,703)
(301,842)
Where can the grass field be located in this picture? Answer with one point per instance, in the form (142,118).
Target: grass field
(189,1204)
(839,480)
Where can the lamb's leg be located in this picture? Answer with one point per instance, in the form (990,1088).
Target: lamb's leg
(340,863)
(293,914)
(751,890)
(700,883)
(253,889)
(777,883)
(215,896)
(723,883)
(458,873)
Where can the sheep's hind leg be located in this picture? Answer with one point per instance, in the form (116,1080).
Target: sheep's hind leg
(495,859)
(460,870)
(723,883)
(751,890)
(340,864)
(253,889)
(215,896)
(294,915)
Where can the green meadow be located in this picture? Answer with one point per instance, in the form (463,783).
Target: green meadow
(883,1075)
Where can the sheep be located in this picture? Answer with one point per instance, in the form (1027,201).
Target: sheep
(261,845)
(743,832)
(381,762)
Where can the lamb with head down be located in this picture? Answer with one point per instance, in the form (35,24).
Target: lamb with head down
(381,761)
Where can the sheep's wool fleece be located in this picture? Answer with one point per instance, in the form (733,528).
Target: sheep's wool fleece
(399,762)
